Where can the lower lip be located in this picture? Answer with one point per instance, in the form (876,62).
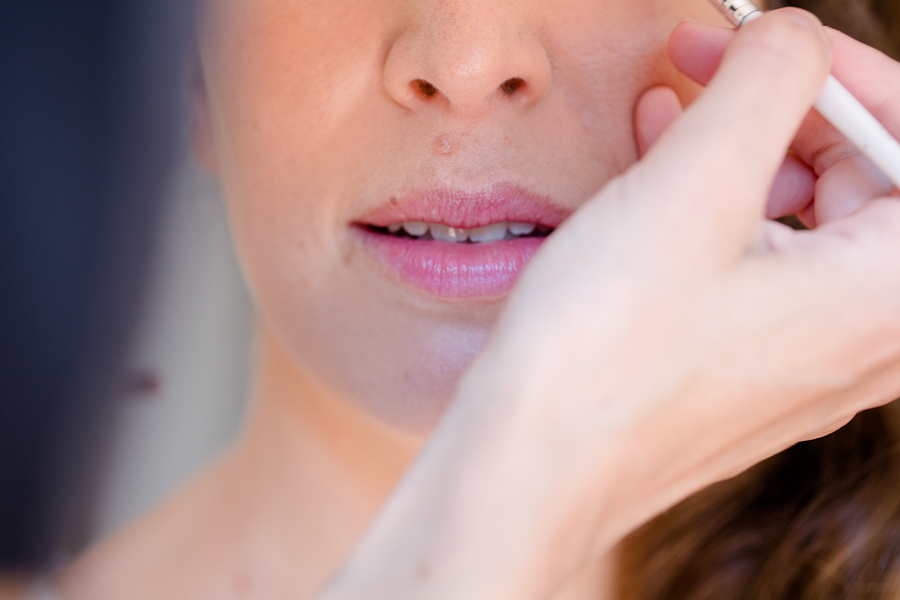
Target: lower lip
(454,270)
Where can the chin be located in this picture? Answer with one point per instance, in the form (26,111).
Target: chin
(407,412)
(404,383)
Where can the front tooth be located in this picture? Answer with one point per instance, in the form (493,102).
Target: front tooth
(521,228)
(416,228)
(489,233)
(443,233)
(395,227)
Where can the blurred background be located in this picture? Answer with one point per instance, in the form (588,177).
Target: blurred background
(125,332)
(188,374)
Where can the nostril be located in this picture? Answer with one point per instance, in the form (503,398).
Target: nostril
(511,86)
(423,88)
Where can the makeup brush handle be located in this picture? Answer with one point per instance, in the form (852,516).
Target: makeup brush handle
(844,111)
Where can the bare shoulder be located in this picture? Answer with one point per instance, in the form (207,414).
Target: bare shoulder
(173,552)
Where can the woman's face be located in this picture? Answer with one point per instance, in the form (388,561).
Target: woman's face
(349,134)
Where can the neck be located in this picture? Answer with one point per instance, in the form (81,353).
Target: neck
(321,467)
(280,514)
(307,431)
(340,464)
(276,517)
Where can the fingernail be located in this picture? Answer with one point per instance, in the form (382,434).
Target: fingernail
(805,18)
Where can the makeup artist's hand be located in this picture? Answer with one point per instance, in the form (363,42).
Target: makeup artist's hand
(667,336)
(824,177)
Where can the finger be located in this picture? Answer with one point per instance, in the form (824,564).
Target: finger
(696,49)
(848,179)
(847,185)
(656,110)
(807,216)
(725,151)
(870,75)
(793,190)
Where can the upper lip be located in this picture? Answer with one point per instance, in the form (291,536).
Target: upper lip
(468,208)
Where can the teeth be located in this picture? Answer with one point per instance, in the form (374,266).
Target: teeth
(491,233)
(521,228)
(442,233)
(416,228)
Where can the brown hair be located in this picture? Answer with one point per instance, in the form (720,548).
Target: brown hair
(875,22)
(821,520)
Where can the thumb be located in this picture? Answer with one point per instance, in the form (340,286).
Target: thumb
(656,110)
(711,172)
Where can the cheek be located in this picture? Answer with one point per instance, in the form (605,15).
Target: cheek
(282,86)
(610,54)
(285,77)
(614,50)
(302,130)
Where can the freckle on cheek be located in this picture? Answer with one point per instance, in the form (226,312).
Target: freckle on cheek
(446,145)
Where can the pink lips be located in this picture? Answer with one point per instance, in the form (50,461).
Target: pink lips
(460,270)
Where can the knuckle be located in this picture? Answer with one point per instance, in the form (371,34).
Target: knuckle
(790,40)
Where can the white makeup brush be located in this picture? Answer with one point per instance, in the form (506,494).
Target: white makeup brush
(837,105)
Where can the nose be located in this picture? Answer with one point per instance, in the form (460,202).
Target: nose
(465,55)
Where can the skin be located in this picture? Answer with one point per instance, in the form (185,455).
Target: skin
(13,587)
(297,122)
(706,340)
(355,367)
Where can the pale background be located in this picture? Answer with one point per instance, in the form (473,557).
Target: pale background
(195,339)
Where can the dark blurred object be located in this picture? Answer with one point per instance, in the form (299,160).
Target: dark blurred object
(90,115)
